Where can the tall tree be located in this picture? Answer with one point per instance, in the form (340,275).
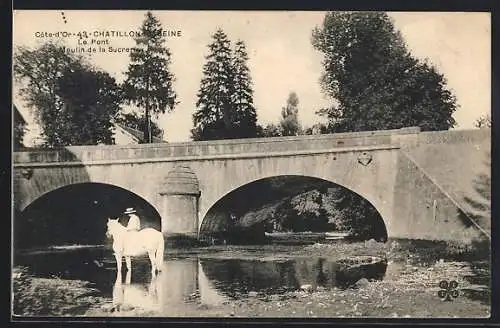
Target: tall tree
(246,115)
(374,79)
(91,99)
(149,82)
(37,72)
(214,115)
(225,108)
(289,116)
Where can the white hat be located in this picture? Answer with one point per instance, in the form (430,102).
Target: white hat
(129,210)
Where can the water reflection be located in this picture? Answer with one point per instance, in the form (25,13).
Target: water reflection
(177,281)
(193,281)
(236,278)
(213,281)
(173,286)
(209,294)
(128,295)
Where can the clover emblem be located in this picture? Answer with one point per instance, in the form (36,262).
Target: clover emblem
(448,290)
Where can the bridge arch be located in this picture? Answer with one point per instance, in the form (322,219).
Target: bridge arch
(208,220)
(42,182)
(374,180)
(76,214)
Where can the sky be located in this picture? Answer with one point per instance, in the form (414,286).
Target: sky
(281,57)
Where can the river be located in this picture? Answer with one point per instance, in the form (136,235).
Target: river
(215,277)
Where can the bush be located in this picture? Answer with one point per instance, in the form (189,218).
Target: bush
(33,300)
(21,285)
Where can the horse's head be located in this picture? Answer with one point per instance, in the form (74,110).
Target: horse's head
(111,227)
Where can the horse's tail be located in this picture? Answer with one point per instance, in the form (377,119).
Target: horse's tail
(159,252)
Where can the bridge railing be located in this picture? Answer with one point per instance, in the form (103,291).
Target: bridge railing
(214,148)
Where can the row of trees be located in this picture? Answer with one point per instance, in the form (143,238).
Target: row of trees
(370,75)
(372,79)
(76,103)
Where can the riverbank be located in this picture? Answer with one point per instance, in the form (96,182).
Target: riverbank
(410,286)
(51,296)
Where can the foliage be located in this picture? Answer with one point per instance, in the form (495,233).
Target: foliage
(270,130)
(91,98)
(225,99)
(480,203)
(483,122)
(375,80)
(246,115)
(289,116)
(298,204)
(21,284)
(316,129)
(327,209)
(303,212)
(351,212)
(149,82)
(213,117)
(53,296)
(72,101)
(134,121)
(37,71)
(310,213)
(289,123)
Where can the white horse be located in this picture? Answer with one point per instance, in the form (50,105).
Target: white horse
(136,243)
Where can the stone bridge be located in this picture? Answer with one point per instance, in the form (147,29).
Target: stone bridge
(416,180)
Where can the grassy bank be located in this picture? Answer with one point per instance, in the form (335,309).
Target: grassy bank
(51,296)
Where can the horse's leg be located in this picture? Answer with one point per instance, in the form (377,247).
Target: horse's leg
(128,261)
(152,259)
(118,258)
(128,277)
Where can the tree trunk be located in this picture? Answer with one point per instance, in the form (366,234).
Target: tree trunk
(147,127)
(147,130)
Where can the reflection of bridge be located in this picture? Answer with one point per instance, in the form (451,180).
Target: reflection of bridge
(401,172)
(186,283)
(180,284)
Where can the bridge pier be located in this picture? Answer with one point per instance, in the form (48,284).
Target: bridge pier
(179,207)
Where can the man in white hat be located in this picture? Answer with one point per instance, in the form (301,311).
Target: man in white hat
(134,224)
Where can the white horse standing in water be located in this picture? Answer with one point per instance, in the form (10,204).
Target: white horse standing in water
(136,243)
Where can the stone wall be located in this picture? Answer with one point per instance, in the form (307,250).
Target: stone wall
(423,210)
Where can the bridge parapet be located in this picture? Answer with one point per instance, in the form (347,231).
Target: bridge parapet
(201,149)
(454,136)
